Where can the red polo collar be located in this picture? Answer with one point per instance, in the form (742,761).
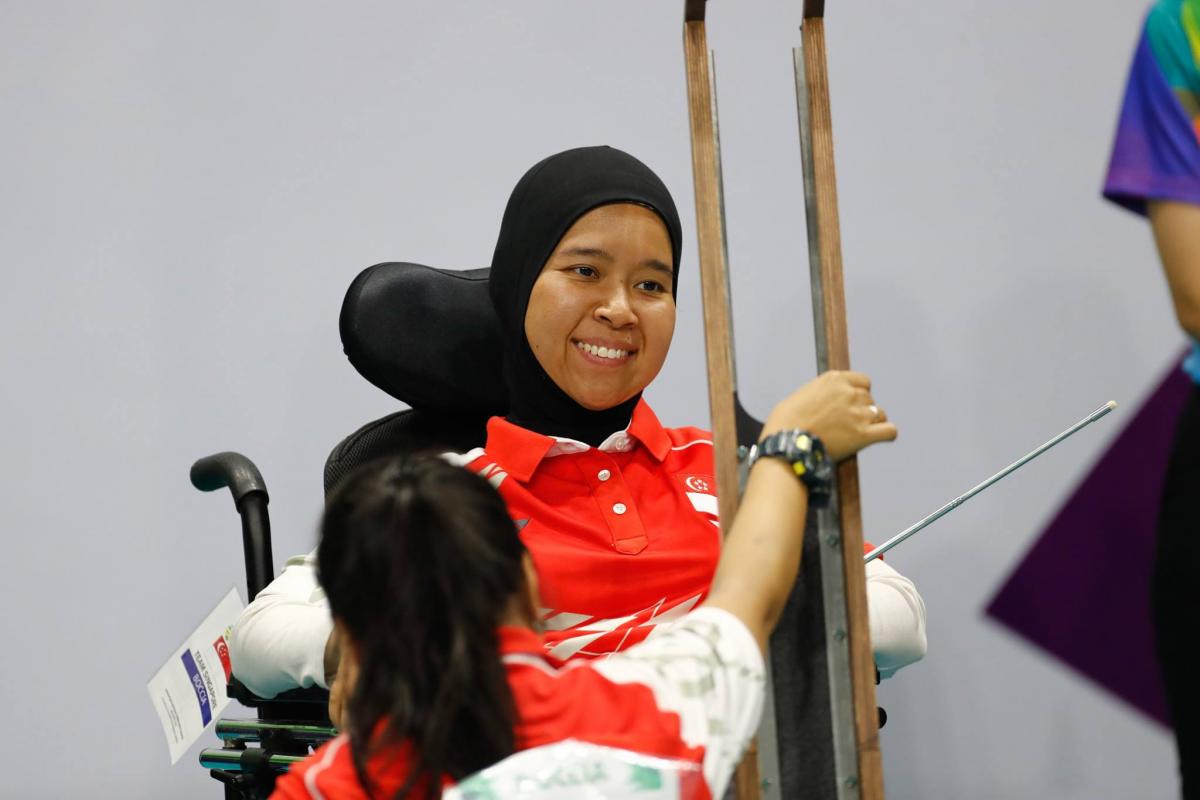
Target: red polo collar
(520,451)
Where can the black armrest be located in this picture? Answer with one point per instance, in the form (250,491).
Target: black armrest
(295,705)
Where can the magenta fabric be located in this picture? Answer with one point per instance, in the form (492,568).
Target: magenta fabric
(1082,593)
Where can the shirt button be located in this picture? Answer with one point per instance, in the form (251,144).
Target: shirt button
(619,508)
(603,474)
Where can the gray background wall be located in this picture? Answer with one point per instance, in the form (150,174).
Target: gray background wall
(187,189)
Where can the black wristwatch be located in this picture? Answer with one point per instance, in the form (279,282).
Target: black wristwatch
(807,456)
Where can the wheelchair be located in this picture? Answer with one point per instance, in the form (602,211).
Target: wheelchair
(429,338)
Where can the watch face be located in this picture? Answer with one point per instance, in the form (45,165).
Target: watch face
(803,442)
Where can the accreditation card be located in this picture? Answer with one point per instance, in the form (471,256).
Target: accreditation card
(189,691)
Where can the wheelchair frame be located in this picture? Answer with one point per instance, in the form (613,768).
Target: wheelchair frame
(254,752)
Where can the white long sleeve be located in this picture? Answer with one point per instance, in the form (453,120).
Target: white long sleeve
(278,642)
(897,615)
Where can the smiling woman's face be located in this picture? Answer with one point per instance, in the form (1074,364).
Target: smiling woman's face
(601,314)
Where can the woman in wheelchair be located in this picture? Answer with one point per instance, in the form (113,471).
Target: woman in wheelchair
(437,603)
(618,513)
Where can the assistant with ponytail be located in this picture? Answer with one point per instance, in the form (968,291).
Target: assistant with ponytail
(419,560)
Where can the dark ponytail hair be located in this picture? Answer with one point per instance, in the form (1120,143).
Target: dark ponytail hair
(419,558)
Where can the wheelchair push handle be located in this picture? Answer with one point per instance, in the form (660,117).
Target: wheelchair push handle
(245,482)
(231,470)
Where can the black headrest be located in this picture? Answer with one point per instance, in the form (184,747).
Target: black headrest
(428,337)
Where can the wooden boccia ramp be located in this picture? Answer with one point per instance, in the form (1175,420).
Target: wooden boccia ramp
(820,736)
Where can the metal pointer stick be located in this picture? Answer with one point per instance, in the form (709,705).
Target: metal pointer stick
(958,501)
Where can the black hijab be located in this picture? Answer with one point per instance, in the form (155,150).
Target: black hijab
(547,201)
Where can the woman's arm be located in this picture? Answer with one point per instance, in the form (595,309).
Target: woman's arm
(1177,234)
(279,641)
(761,557)
(897,615)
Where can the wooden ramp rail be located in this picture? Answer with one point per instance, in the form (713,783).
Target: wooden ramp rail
(833,352)
(714,287)
(820,738)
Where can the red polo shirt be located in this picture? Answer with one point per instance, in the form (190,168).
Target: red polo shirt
(693,693)
(624,536)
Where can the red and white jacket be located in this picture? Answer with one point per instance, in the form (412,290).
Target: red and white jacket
(693,693)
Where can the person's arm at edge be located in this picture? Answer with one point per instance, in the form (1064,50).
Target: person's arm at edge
(1177,234)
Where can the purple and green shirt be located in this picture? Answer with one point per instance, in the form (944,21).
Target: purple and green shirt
(1156,155)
